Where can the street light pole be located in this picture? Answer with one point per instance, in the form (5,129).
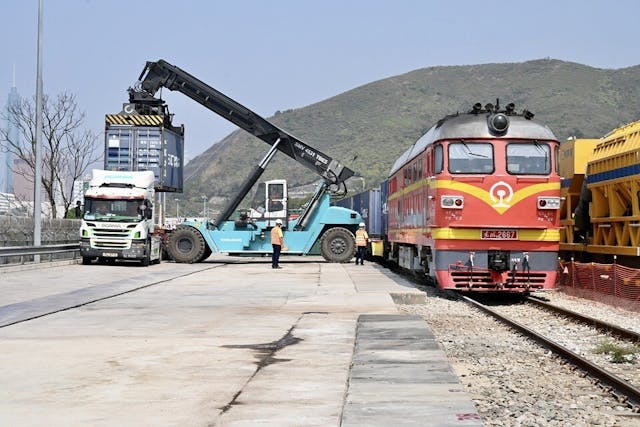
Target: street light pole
(37,178)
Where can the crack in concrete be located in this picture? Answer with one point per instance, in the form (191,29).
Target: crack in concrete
(266,356)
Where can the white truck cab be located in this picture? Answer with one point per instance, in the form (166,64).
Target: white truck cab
(118,218)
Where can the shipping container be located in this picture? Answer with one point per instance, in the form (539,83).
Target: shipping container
(384,212)
(369,205)
(136,142)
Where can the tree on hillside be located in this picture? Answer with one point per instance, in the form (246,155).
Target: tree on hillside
(68,149)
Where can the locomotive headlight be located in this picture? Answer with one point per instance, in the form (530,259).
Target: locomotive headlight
(498,123)
(452,202)
(548,202)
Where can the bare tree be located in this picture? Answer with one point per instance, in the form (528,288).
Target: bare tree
(67,148)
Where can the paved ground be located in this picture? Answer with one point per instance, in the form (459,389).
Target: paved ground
(194,345)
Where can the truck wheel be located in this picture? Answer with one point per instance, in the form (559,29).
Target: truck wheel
(337,245)
(186,244)
(147,258)
(86,260)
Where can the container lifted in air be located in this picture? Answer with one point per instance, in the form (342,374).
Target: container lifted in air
(320,226)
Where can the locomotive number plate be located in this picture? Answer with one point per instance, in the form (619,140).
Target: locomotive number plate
(499,234)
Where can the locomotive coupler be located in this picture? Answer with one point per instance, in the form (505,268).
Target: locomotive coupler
(526,266)
(514,270)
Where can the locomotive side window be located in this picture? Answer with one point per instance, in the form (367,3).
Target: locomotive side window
(393,185)
(471,157)
(438,159)
(429,163)
(528,158)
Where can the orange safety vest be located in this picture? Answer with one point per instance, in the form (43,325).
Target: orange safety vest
(361,237)
(276,236)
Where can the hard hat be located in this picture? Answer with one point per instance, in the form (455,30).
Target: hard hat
(362,224)
(279,221)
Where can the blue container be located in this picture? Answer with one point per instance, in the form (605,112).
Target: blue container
(384,214)
(137,147)
(369,205)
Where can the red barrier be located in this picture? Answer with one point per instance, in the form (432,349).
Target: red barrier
(618,284)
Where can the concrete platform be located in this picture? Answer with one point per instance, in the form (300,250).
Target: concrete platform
(240,344)
(401,377)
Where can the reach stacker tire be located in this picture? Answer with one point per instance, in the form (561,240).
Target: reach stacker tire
(186,245)
(338,244)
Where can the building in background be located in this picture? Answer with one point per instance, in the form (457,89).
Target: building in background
(80,186)
(6,157)
(23,180)
(9,205)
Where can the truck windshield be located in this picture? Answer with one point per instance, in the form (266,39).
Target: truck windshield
(113,210)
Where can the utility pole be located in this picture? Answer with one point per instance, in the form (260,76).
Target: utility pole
(37,179)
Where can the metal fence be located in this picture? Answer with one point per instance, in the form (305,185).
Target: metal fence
(59,239)
(22,254)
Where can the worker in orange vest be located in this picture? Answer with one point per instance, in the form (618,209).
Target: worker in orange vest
(276,242)
(362,238)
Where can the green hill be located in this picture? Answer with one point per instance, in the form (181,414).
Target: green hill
(368,127)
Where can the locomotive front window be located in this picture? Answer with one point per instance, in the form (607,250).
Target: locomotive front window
(468,157)
(529,158)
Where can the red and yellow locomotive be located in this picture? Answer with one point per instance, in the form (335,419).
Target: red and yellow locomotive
(474,203)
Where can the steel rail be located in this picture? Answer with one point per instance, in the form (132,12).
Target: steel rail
(587,320)
(620,388)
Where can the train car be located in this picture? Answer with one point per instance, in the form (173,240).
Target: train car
(370,204)
(608,209)
(573,157)
(473,205)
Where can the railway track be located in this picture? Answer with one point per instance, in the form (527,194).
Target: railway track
(625,390)
(587,320)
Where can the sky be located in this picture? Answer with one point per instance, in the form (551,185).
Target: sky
(274,55)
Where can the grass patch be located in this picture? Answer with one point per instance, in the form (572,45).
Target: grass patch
(617,353)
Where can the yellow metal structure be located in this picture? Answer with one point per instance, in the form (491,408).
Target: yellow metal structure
(377,248)
(613,176)
(573,158)
(134,119)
